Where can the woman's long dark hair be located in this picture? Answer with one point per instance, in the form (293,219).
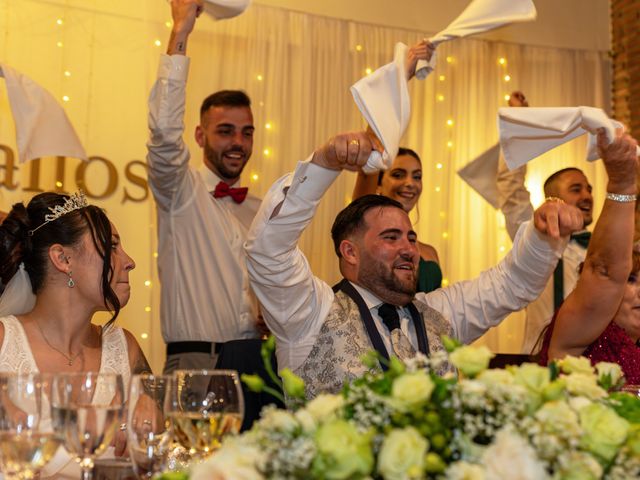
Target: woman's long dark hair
(24,237)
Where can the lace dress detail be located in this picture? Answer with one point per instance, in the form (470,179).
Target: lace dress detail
(15,354)
(115,356)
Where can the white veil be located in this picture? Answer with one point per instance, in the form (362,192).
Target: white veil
(18,297)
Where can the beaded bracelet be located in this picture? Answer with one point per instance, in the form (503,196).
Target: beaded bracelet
(619,197)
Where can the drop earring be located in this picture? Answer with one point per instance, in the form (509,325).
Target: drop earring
(70,283)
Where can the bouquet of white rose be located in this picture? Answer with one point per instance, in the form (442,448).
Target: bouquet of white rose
(521,423)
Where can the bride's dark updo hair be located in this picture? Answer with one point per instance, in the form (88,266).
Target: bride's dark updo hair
(25,237)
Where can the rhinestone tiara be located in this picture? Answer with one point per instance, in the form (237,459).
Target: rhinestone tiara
(75,201)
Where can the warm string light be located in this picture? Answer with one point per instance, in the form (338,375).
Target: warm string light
(440,97)
(157,42)
(502,61)
(368,71)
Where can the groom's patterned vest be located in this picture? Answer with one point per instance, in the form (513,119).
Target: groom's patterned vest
(343,340)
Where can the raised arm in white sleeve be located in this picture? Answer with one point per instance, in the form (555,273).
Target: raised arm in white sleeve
(168,156)
(294,301)
(474,306)
(513,197)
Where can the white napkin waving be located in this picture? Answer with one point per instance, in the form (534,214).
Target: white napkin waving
(479,16)
(42,126)
(221,9)
(383,100)
(481,174)
(526,133)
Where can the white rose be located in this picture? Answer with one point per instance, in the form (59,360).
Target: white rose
(531,376)
(409,390)
(511,457)
(557,417)
(279,420)
(612,369)
(571,364)
(471,360)
(579,466)
(402,455)
(584,385)
(306,420)
(464,471)
(578,403)
(324,406)
(235,460)
(496,377)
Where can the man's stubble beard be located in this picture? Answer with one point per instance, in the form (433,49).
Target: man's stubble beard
(216,161)
(381,281)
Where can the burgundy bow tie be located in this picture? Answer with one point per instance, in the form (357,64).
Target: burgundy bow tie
(237,194)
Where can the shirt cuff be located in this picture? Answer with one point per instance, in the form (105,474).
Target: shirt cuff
(311,181)
(542,243)
(174,67)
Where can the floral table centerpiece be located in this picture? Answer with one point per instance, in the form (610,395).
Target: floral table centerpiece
(525,422)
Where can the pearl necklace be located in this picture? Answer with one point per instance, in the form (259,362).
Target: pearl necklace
(70,359)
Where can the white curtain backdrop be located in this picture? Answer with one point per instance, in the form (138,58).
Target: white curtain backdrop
(297,68)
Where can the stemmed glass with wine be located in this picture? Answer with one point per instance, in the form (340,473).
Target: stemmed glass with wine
(204,406)
(27,440)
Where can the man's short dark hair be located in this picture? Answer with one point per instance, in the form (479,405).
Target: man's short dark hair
(401,151)
(351,219)
(548,183)
(225,98)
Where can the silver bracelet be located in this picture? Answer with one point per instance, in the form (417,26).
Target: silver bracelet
(620,197)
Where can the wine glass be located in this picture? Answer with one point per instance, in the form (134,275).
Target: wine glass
(148,430)
(204,406)
(86,410)
(27,440)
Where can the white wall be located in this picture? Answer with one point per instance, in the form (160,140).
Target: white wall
(575,24)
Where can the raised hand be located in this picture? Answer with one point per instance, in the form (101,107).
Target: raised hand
(422,50)
(557,219)
(620,160)
(184,13)
(346,151)
(517,99)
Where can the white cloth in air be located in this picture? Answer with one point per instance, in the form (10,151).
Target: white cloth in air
(479,16)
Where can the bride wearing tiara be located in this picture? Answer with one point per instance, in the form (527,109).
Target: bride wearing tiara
(62,260)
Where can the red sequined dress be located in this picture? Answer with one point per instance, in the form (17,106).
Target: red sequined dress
(613,345)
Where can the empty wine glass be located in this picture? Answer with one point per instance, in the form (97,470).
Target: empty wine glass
(204,406)
(27,441)
(86,412)
(148,430)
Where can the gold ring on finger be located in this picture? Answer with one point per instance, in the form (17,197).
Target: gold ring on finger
(354,142)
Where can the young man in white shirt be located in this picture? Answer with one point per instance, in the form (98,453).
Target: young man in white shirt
(208,312)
